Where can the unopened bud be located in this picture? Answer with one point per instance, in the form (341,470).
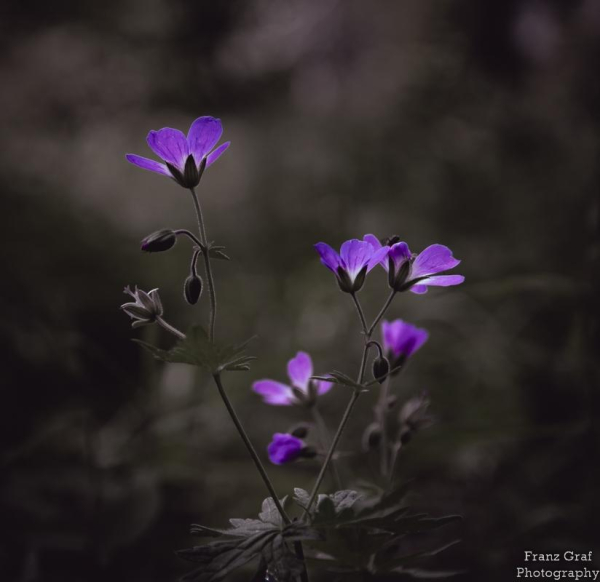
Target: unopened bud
(300,432)
(308,452)
(192,289)
(381,368)
(159,241)
(371,437)
(391,402)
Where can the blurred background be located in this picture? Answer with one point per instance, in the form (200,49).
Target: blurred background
(471,124)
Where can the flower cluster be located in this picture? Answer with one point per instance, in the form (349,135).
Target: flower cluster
(184,159)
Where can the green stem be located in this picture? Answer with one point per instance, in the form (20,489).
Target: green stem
(382,411)
(332,448)
(381,313)
(257,462)
(324,438)
(361,313)
(209,275)
(170,328)
(250,447)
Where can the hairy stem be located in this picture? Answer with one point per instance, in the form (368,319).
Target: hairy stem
(250,447)
(324,439)
(332,448)
(209,275)
(381,313)
(170,328)
(382,412)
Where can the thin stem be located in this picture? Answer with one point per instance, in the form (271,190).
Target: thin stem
(332,448)
(209,275)
(395,450)
(361,313)
(382,411)
(189,235)
(170,328)
(259,466)
(324,438)
(250,448)
(381,313)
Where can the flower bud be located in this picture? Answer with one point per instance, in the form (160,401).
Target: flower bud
(308,453)
(381,368)
(192,289)
(159,241)
(391,402)
(371,437)
(300,431)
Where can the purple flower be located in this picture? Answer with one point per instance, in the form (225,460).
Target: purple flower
(184,157)
(401,340)
(415,272)
(351,265)
(303,390)
(284,448)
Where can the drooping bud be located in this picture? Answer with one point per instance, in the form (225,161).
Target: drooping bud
(159,241)
(381,368)
(192,289)
(308,453)
(371,437)
(300,431)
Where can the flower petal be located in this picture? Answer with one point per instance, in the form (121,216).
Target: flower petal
(399,253)
(437,281)
(434,259)
(170,145)
(328,256)
(379,258)
(284,448)
(376,246)
(147,164)
(214,156)
(274,393)
(402,338)
(323,387)
(300,370)
(203,136)
(355,255)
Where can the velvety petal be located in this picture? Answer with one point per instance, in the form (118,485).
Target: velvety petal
(274,393)
(402,338)
(376,246)
(434,259)
(170,145)
(399,253)
(328,256)
(203,136)
(419,289)
(323,387)
(380,257)
(300,369)
(355,255)
(214,156)
(147,164)
(284,448)
(438,281)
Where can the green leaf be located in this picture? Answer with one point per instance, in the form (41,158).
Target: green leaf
(270,514)
(197,350)
(216,252)
(338,377)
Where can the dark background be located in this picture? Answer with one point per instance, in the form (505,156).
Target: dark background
(473,124)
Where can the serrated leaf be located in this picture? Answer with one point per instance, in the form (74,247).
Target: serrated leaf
(218,559)
(301,497)
(270,514)
(282,563)
(197,350)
